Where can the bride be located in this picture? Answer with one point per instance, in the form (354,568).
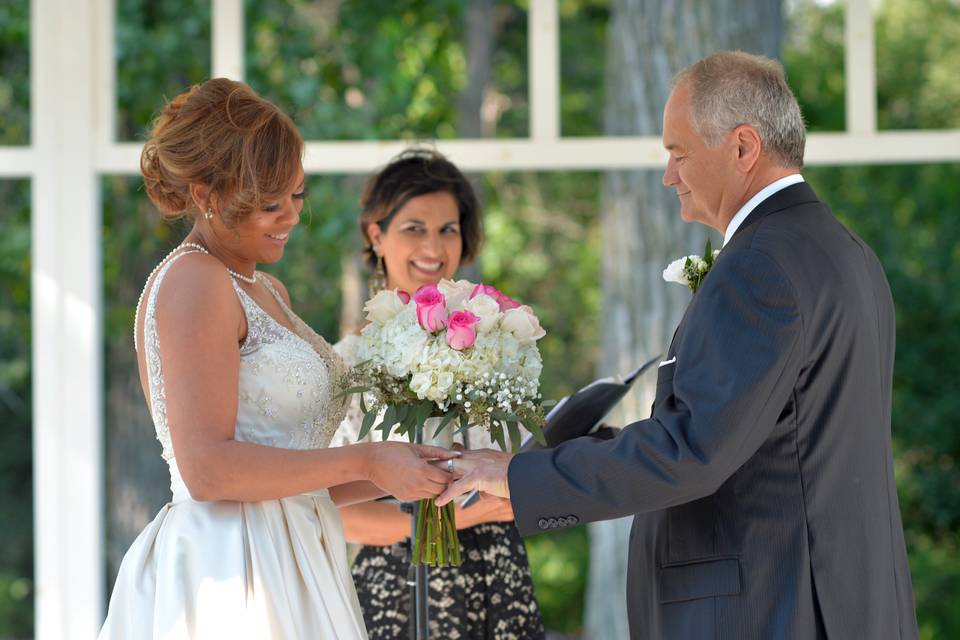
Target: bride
(245,399)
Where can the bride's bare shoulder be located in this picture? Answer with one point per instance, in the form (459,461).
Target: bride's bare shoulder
(198,286)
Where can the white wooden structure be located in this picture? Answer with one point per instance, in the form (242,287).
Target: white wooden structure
(73,101)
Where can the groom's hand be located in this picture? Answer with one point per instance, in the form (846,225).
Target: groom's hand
(481,469)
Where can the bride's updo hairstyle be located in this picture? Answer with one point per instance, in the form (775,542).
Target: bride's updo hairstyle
(223,135)
(419,171)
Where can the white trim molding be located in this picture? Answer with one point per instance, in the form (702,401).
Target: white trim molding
(66,313)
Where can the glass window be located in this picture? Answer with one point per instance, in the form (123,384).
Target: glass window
(918,55)
(16,460)
(354,71)
(161,49)
(15,72)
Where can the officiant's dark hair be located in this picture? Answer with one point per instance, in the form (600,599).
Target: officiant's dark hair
(419,171)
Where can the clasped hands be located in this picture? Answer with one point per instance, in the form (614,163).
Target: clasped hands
(482,469)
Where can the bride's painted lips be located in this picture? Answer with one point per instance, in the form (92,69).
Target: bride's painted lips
(279,238)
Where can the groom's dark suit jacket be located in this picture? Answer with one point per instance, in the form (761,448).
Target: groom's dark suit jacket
(762,484)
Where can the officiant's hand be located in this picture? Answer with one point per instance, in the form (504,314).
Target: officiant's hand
(419,478)
(487,508)
(481,469)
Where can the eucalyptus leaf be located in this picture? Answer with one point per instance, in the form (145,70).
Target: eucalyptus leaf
(515,437)
(368,419)
(534,427)
(389,419)
(450,415)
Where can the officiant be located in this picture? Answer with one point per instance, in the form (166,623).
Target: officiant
(419,222)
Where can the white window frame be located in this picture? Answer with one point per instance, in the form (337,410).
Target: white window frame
(73,101)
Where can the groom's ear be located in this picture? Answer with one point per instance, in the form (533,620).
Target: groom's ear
(749,147)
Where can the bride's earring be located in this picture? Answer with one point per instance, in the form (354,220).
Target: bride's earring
(377,281)
(208,214)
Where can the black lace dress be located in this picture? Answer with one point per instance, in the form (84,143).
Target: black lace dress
(488,597)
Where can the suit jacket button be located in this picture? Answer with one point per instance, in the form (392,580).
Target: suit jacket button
(552,523)
(542,523)
(573,520)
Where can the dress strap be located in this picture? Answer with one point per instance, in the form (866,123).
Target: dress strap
(151,341)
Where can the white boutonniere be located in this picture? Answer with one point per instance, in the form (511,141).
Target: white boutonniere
(691,270)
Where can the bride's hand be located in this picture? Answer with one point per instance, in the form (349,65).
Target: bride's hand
(404,471)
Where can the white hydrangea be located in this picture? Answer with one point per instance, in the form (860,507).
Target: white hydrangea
(503,366)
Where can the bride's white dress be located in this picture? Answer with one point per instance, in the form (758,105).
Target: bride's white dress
(271,569)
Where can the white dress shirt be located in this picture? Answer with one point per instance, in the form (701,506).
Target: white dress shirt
(752,203)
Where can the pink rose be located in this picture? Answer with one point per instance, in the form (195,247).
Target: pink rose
(461,333)
(431,308)
(485,289)
(403,295)
(505,301)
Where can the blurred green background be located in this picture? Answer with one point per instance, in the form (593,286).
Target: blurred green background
(353,70)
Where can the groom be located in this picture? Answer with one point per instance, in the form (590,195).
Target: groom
(762,484)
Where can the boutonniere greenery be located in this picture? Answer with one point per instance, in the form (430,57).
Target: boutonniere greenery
(691,270)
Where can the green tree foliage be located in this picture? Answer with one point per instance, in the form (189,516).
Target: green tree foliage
(355,72)
(16,541)
(16,535)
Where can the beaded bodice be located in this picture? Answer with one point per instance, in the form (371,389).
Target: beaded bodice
(289,381)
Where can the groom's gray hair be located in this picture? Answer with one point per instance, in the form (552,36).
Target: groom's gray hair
(732,88)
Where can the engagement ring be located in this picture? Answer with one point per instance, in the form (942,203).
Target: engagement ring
(450,465)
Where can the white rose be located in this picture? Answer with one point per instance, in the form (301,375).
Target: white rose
(420,384)
(383,306)
(675,273)
(487,309)
(522,323)
(455,292)
(444,381)
(436,394)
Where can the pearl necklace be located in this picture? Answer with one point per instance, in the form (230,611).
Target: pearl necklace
(239,276)
(166,259)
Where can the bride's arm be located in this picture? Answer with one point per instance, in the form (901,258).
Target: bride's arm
(199,322)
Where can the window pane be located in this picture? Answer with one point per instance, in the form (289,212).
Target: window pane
(15,72)
(918,55)
(583,58)
(365,70)
(162,48)
(16,480)
(812,52)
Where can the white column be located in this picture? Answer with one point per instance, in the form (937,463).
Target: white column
(66,321)
(860,69)
(228,39)
(544,68)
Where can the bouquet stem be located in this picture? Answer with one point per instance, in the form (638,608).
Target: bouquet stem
(436,543)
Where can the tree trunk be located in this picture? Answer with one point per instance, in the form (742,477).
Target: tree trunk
(648,41)
(482,24)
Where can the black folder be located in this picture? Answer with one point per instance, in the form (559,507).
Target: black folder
(581,414)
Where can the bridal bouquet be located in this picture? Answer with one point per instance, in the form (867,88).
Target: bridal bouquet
(461,352)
